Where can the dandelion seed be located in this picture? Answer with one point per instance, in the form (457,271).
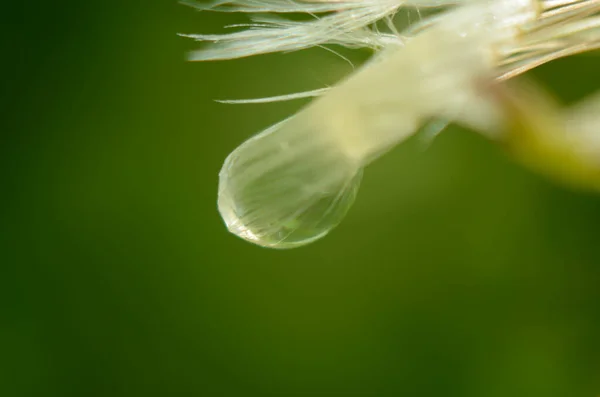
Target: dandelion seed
(294,182)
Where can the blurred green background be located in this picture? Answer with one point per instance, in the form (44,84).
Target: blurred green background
(457,272)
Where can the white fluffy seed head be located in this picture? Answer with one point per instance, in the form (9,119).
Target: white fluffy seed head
(294,182)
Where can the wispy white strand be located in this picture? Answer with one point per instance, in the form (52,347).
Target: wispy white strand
(307,6)
(347,23)
(274,6)
(348,28)
(278,98)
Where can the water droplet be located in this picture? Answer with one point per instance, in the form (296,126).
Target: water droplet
(286,187)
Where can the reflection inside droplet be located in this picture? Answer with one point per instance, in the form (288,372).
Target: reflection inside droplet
(287,186)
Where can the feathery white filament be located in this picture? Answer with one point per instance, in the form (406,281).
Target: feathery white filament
(346,27)
(341,22)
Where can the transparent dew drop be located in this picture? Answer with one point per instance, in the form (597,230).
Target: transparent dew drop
(287,186)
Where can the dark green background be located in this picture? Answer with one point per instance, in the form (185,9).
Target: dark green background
(456,273)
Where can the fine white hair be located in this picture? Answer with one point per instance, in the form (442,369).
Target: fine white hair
(349,23)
